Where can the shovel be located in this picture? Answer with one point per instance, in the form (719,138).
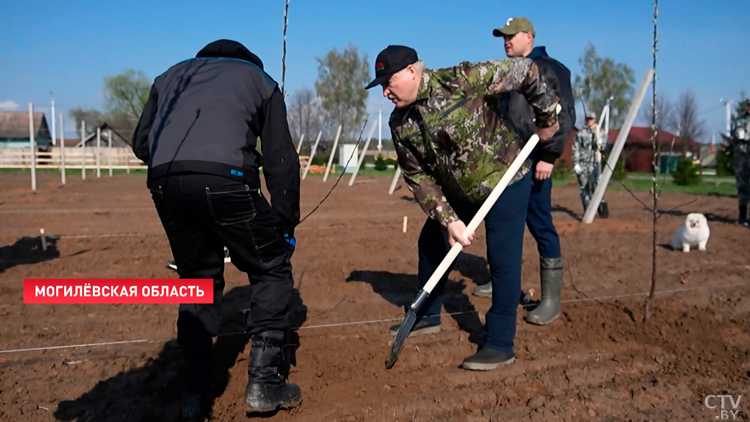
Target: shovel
(411,315)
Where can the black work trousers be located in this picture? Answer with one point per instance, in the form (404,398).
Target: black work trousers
(201,214)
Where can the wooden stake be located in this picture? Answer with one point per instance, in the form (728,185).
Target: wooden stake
(312,155)
(333,152)
(44,240)
(406,219)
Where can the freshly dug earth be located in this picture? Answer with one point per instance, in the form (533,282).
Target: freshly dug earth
(354,271)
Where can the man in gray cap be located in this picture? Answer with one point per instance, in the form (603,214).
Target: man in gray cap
(519,35)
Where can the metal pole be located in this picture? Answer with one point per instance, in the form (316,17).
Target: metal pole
(62,149)
(333,153)
(729,118)
(32,146)
(588,217)
(53,123)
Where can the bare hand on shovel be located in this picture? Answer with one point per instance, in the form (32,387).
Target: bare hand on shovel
(456,233)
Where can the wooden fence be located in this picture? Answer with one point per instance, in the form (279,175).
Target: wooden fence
(71,158)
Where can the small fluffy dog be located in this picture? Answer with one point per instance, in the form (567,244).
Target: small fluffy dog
(693,233)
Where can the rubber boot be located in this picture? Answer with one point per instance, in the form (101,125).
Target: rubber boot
(267,389)
(603,209)
(552,278)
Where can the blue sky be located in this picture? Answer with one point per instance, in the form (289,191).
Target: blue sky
(69,47)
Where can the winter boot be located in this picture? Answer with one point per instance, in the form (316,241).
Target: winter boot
(197,380)
(267,389)
(552,278)
(743,215)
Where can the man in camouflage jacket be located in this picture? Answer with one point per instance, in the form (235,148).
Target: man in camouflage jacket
(740,140)
(585,163)
(453,149)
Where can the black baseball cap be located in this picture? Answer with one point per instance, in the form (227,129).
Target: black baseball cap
(392,60)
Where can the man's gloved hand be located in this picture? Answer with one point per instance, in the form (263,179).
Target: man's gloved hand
(577,169)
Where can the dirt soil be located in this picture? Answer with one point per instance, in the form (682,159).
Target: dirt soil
(354,270)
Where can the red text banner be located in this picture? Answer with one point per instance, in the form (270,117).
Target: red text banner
(118,290)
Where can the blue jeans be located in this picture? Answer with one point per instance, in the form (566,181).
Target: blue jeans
(539,219)
(505,226)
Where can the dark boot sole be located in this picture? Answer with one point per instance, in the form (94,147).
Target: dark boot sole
(283,406)
(423,332)
(473,366)
(536,321)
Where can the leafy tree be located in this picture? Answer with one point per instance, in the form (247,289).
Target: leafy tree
(603,78)
(342,77)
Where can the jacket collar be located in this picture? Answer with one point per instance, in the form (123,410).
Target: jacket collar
(540,51)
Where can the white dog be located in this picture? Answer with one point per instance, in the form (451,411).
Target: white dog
(693,233)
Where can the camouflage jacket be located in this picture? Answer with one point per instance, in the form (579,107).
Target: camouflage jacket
(451,145)
(741,132)
(584,149)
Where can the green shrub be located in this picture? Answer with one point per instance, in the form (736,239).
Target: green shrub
(380,164)
(561,170)
(319,160)
(619,174)
(686,173)
(724,160)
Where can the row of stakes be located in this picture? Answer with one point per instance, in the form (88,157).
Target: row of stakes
(394,182)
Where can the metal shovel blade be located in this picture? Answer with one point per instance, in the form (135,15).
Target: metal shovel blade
(401,335)
(405,328)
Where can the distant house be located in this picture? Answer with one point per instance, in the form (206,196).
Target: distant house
(638,153)
(708,156)
(14,130)
(118,141)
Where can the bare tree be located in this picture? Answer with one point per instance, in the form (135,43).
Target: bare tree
(692,128)
(305,114)
(665,114)
(93,118)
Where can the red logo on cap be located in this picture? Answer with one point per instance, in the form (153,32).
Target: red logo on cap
(379,67)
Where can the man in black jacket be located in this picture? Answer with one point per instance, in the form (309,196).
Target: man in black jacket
(198,135)
(518,34)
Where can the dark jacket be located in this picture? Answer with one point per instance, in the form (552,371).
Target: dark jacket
(521,115)
(204,115)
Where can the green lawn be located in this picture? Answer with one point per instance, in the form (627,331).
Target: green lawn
(703,188)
